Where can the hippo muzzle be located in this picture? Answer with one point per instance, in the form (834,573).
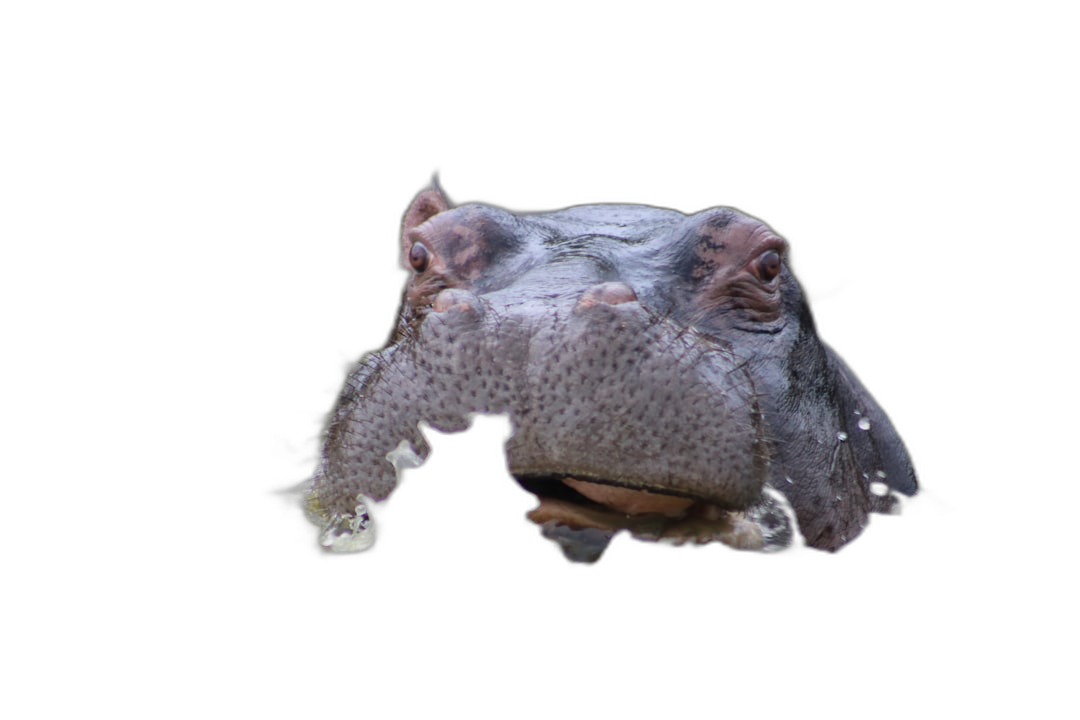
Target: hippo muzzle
(661,373)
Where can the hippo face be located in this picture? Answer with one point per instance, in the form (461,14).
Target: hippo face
(661,373)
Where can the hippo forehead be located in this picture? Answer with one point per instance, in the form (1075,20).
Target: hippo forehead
(661,372)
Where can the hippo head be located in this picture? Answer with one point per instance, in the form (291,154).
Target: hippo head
(661,373)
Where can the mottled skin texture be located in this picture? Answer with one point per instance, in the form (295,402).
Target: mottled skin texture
(661,372)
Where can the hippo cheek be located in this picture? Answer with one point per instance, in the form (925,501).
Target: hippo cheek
(437,373)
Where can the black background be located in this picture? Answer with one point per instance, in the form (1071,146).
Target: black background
(873,203)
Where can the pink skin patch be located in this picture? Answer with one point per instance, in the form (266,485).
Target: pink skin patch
(631,502)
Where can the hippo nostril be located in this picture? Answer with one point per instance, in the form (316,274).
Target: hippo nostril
(457,300)
(609,293)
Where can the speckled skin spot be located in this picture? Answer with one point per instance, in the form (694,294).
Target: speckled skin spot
(658,374)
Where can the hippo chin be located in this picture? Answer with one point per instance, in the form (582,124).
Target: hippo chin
(661,373)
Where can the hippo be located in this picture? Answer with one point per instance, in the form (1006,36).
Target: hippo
(661,373)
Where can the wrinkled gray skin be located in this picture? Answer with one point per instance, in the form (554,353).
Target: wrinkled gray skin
(661,372)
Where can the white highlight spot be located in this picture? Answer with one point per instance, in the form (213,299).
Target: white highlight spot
(349,533)
(841,436)
(403,456)
(879,488)
(864,423)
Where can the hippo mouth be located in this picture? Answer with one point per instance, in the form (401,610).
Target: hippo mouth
(583,514)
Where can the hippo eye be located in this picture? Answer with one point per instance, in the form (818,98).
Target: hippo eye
(768,265)
(419,257)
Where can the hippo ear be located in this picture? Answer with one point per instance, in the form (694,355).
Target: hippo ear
(836,458)
(428,204)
